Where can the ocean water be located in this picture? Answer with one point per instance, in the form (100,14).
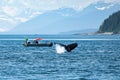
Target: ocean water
(97,57)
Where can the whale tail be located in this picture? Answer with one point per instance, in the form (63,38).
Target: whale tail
(61,48)
(70,47)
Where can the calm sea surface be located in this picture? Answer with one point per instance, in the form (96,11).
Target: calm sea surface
(95,58)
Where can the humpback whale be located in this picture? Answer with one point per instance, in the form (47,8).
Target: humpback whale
(61,48)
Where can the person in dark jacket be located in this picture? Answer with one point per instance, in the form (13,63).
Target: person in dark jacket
(35,42)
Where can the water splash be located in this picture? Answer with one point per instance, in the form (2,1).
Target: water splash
(60,49)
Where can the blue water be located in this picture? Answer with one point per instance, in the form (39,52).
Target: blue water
(97,57)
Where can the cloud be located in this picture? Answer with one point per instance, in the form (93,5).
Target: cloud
(2,30)
(7,20)
(21,19)
(11,11)
(10,1)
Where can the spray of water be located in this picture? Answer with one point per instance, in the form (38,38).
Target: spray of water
(60,49)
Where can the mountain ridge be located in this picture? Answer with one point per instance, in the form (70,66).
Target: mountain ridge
(54,23)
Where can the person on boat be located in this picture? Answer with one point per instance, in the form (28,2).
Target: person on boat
(35,42)
(27,41)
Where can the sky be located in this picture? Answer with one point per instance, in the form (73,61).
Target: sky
(16,12)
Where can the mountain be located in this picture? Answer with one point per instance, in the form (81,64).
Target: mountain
(111,24)
(64,20)
(41,24)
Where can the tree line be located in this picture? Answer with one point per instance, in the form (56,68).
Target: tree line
(111,24)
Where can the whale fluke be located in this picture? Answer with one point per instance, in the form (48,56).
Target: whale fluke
(68,47)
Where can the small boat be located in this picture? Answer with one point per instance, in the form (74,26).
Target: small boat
(39,44)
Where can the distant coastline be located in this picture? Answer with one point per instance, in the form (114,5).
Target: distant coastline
(97,33)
